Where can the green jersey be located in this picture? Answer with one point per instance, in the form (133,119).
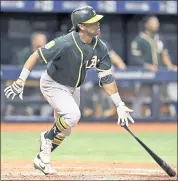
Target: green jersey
(68,58)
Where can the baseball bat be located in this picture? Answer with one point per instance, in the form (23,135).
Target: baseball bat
(159,160)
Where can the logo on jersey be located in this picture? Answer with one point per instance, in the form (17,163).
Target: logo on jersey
(92,63)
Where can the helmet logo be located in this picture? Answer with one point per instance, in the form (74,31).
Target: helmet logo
(94,13)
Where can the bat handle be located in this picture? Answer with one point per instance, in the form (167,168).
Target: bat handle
(128,130)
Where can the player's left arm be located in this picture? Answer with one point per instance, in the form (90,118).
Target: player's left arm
(106,80)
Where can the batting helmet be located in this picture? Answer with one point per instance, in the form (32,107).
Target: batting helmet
(85,14)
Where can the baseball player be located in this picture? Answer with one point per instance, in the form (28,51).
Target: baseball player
(68,58)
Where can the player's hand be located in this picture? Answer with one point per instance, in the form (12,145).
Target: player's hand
(15,89)
(124,115)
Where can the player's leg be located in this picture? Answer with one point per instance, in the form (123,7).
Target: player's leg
(76,96)
(60,98)
(61,136)
(68,114)
(56,142)
(59,130)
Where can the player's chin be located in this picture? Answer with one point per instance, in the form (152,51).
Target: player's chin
(97,32)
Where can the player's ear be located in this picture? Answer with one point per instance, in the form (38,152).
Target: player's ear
(81,27)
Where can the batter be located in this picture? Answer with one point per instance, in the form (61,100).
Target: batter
(68,58)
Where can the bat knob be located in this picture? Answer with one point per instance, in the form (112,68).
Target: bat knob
(172,173)
(122,124)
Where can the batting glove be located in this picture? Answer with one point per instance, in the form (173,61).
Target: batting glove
(124,114)
(15,89)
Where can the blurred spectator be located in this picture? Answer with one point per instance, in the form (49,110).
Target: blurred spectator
(149,50)
(38,39)
(96,103)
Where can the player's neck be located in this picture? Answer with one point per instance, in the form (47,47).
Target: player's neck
(85,38)
(149,33)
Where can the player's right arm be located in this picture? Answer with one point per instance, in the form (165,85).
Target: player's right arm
(32,61)
(48,53)
(17,87)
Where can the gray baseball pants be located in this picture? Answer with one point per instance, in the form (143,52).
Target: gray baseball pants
(64,100)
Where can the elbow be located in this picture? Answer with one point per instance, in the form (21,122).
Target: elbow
(35,57)
(32,61)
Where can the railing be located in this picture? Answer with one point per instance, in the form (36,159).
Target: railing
(133,75)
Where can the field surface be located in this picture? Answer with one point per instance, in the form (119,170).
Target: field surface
(94,151)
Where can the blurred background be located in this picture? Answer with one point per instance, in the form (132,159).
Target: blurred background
(142,40)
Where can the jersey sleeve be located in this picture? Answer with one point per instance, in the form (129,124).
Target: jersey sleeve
(50,51)
(103,66)
(104,63)
(109,47)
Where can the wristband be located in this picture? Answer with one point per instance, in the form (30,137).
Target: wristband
(116,99)
(24,74)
